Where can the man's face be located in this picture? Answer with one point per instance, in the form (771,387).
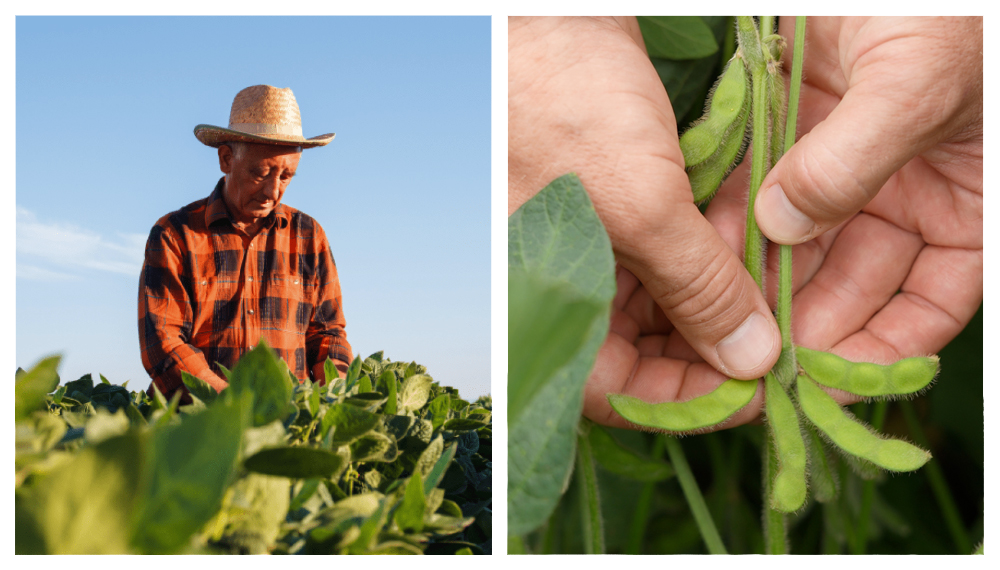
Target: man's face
(256,178)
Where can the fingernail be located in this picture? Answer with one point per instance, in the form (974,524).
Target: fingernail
(779,219)
(746,348)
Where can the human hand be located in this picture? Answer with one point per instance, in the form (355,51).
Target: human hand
(887,179)
(583,97)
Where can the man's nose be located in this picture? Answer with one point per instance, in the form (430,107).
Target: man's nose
(272,188)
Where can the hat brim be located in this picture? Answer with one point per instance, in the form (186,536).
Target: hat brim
(214,136)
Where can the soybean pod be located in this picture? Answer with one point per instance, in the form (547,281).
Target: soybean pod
(698,413)
(788,491)
(713,146)
(852,437)
(907,376)
(822,474)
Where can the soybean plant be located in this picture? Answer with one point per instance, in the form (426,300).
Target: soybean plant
(749,99)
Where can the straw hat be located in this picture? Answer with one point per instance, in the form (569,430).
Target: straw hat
(265,115)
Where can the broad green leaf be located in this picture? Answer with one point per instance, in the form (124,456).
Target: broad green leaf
(83,506)
(189,467)
(434,475)
(364,385)
(254,511)
(296,462)
(314,400)
(677,37)
(104,380)
(389,378)
(199,388)
(369,529)
(31,388)
(416,390)
(410,513)
(349,423)
(429,457)
(464,424)
(308,488)
(260,371)
(374,446)
(439,409)
(620,460)
(557,236)
(546,325)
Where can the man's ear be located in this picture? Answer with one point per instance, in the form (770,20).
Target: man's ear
(225,159)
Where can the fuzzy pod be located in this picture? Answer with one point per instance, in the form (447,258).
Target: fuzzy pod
(853,437)
(728,103)
(822,471)
(788,491)
(907,376)
(698,413)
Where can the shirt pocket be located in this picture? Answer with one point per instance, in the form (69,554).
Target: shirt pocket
(215,308)
(286,303)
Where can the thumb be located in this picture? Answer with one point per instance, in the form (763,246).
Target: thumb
(837,168)
(705,292)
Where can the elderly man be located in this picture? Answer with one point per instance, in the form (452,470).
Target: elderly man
(225,271)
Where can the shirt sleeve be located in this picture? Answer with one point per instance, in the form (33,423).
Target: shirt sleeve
(325,336)
(166,317)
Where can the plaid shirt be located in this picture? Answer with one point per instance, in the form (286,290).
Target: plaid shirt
(208,294)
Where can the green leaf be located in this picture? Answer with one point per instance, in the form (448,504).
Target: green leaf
(434,475)
(439,409)
(621,460)
(374,446)
(104,380)
(254,511)
(389,379)
(198,387)
(416,390)
(31,388)
(261,372)
(296,462)
(84,505)
(557,236)
(677,37)
(349,422)
(190,466)
(364,385)
(464,424)
(546,325)
(410,513)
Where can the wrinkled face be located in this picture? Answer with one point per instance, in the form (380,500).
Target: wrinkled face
(256,177)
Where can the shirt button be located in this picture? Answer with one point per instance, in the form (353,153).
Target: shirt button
(204,282)
(251,311)
(251,246)
(249,278)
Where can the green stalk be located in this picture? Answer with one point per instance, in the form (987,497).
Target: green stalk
(637,530)
(938,484)
(590,500)
(860,544)
(694,498)
(753,256)
(775,527)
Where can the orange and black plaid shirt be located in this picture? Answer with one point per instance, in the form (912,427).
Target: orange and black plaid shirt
(208,294)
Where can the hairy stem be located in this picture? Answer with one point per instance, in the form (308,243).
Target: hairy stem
(775,527)
(860,544)
(590,500)
(694,498)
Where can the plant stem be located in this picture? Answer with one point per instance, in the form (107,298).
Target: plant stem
(694,498)
(775,529)
(938,484)
(590,500)
(640,519)
(860,543)
(753,253)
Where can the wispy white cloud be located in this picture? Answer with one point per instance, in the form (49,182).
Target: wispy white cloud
(52,250)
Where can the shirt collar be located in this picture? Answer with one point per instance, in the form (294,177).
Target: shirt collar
(216,210)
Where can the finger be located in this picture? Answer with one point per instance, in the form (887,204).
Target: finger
(620,370)
(671,345)
(835,169)
(703,289)
(942,293)
(865,267)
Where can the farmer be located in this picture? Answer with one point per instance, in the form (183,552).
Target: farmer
(884,191)
(239,266)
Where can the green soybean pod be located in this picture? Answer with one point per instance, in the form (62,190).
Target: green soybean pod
(853,437)
(788,492)
(707,176)
(701,412)
(726,104)
(822,473)
(866,379)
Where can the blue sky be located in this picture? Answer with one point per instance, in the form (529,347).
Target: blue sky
(105,109)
